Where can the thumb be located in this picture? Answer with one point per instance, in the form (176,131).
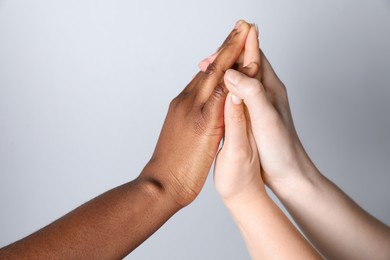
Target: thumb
(250,90)
(236,135)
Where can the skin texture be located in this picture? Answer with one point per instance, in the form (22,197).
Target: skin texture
(333,222)
(267,232)
(115,223)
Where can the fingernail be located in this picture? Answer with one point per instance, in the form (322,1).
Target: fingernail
(238,23)
(233,76)
(236,100)
(204,61)
(202,65)
(213,56)
(240,27)
(249,65)
(210,58)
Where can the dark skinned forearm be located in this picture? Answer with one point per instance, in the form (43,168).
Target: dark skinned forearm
(108,227)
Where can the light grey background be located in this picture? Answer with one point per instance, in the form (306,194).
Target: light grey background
(85,85)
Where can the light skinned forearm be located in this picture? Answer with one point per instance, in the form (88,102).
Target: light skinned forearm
(333,222)
(107,227)
(267,232)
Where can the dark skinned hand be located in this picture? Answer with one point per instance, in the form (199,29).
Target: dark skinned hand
(194,126)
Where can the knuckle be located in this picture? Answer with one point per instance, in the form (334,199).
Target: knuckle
(174,103)
(254,88)
(279,94)
(252,70)
(211,69)
(230,44)
(284,95)
(185,93)
(237,155)
(237,119)
(220,91)
(201,127)
(179,103)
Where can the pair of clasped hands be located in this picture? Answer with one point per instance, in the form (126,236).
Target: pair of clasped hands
(246,106)
(236,97)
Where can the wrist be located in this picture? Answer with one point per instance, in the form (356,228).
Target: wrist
(251,194)
(160,179)
(300,173)
(296,184)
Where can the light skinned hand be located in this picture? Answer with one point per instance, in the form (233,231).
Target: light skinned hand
(282,155)
(267,232)
(237,167)
(333,222)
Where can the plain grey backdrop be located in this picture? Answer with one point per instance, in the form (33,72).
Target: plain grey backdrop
(85,86)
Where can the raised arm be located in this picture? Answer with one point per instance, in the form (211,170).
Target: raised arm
(267,232)
(333,222)
(113,224)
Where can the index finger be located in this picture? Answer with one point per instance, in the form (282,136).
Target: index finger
(224,61)
(250,54)
(206,62)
